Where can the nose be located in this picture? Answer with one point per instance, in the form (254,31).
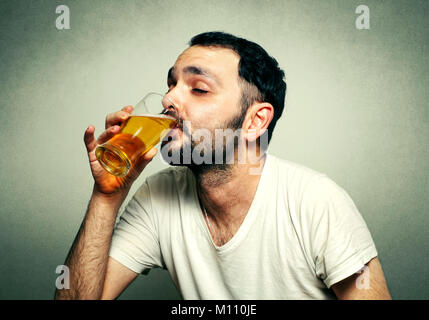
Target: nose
(171,103)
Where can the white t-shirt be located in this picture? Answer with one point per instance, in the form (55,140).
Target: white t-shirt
(302,234)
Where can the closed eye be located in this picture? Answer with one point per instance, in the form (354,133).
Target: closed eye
(199,90)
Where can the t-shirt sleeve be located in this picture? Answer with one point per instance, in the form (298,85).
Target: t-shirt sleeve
(340,241)
(135,241)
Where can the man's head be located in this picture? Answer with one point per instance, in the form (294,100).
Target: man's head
(260,78)
(222,81)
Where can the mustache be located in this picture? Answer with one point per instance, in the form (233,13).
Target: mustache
(174,114)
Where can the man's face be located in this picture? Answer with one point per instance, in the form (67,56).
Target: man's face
(204,87)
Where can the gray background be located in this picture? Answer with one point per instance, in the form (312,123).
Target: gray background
(356,110)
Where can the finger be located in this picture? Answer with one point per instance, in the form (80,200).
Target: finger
(148,156)
(108,134)
(142,162)
(89,140)
(145,159)
(117,118)
(128,109)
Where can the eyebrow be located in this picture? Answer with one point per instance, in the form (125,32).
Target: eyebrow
(191,70)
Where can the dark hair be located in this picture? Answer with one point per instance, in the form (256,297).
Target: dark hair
(256,68)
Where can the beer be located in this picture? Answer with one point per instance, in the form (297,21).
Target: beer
(137,136)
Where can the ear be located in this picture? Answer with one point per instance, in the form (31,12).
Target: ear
(260,116)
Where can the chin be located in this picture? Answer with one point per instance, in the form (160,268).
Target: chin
(172,150)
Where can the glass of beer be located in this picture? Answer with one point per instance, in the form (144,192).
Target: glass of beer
(146,127)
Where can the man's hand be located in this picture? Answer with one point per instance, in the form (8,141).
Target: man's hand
(106,183)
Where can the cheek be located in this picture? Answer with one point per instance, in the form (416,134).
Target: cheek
(201,117)
(212,114)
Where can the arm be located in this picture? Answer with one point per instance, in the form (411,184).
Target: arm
(370,284)
(93,275)
(118,277)
(88,261)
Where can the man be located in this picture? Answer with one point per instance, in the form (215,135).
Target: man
(222,230)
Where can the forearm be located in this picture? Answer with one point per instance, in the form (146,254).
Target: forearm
(87,259)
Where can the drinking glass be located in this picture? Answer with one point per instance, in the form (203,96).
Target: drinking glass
(146,127)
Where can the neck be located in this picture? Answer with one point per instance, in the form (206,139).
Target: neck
(227,191)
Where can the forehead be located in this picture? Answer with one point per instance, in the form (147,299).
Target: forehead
(221,63)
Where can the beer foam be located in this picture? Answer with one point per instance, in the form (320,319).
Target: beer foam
(151,115)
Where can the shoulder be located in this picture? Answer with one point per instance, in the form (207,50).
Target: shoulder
(168,175)
(325,200)
(309,191)
(293,169)
(165,184)
(323,191)
(295,179)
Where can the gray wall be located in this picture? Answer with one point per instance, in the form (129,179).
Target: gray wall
(356,110)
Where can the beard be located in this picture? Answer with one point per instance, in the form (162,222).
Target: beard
(203,150)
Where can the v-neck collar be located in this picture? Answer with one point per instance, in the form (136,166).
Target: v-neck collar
(248,219)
